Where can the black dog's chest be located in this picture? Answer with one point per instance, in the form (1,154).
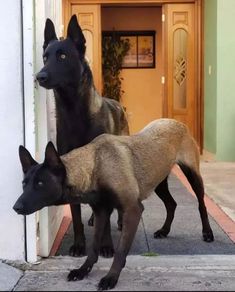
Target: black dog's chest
(100,199)
(91,198)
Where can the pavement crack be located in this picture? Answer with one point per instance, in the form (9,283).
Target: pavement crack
(13,289)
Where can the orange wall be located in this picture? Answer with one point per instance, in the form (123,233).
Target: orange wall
(143,89)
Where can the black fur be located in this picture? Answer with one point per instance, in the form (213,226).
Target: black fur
(196,182)
(163,192)
(78,122)
(45,182)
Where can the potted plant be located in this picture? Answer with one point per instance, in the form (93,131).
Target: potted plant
(114,49)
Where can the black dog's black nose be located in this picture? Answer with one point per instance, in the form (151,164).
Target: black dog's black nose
(18,207)
(42,77)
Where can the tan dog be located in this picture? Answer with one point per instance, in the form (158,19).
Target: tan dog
(116,172)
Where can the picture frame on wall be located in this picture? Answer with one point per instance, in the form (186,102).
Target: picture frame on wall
(142,48)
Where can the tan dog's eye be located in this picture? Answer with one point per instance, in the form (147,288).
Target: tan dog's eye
(62,56)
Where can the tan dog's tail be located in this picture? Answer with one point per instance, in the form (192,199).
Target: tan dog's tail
(193,178)
(188,153)
(188,160)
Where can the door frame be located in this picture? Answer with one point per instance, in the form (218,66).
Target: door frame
(199,13)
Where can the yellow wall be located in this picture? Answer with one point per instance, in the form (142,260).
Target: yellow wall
(143,89)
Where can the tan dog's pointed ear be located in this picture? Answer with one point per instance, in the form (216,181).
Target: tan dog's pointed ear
(26,159)
(49,33)
(52,157)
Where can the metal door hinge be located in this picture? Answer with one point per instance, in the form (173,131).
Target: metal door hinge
(163,17)
(163,79)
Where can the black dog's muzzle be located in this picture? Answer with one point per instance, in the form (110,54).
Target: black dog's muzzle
(19,208)
(42,77)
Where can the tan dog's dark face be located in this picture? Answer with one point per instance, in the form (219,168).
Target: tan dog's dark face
(43,184)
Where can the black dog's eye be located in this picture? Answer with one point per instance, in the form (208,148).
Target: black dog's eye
(40,183)
(24,183)
(44,58)
(62,56)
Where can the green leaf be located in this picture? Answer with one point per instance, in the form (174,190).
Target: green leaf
(113,52)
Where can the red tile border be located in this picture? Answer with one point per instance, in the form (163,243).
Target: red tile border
(62,230)
(223,220)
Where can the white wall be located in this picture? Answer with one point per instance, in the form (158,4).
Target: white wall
(11,130)
(49,218)
(17,92)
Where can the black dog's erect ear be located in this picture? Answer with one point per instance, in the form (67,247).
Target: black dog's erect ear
(75,33)
(26,159)
(49,33)
(52,157)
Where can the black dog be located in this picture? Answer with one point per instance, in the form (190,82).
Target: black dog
(82,114)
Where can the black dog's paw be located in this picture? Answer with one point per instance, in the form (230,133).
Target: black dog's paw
(107,283)
(208,236)
(77,250)
(161,233)
(91,220)
(78,274)
(107,251)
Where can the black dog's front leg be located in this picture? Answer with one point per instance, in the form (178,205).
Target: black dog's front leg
(79,247)
(101,218)
(131,219)
(106,249)
(119,222)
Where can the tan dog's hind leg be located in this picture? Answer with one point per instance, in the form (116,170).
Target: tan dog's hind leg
(163,193)
(188,160)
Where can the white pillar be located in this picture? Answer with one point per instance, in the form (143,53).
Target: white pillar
(11,130)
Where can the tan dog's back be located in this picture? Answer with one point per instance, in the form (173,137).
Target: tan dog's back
(143,160)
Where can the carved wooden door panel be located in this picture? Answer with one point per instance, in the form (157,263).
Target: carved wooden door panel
(90,22)
(181,70)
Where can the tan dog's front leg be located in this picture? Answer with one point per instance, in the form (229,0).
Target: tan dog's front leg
(131,219)
(102,217)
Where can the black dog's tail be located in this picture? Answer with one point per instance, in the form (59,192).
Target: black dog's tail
(194,179)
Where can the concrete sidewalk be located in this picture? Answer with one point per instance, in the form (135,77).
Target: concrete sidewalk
(183,261)
(161,273)
(219,180)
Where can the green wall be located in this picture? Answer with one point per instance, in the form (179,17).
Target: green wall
(220,85)
(226,80)
(210,96)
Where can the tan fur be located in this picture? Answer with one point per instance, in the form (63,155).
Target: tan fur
(95,102)
(80,164)
(131,166)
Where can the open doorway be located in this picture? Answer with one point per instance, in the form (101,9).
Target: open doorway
(143,92)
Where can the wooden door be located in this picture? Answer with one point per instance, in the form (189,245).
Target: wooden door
(181,67)
(90,22)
